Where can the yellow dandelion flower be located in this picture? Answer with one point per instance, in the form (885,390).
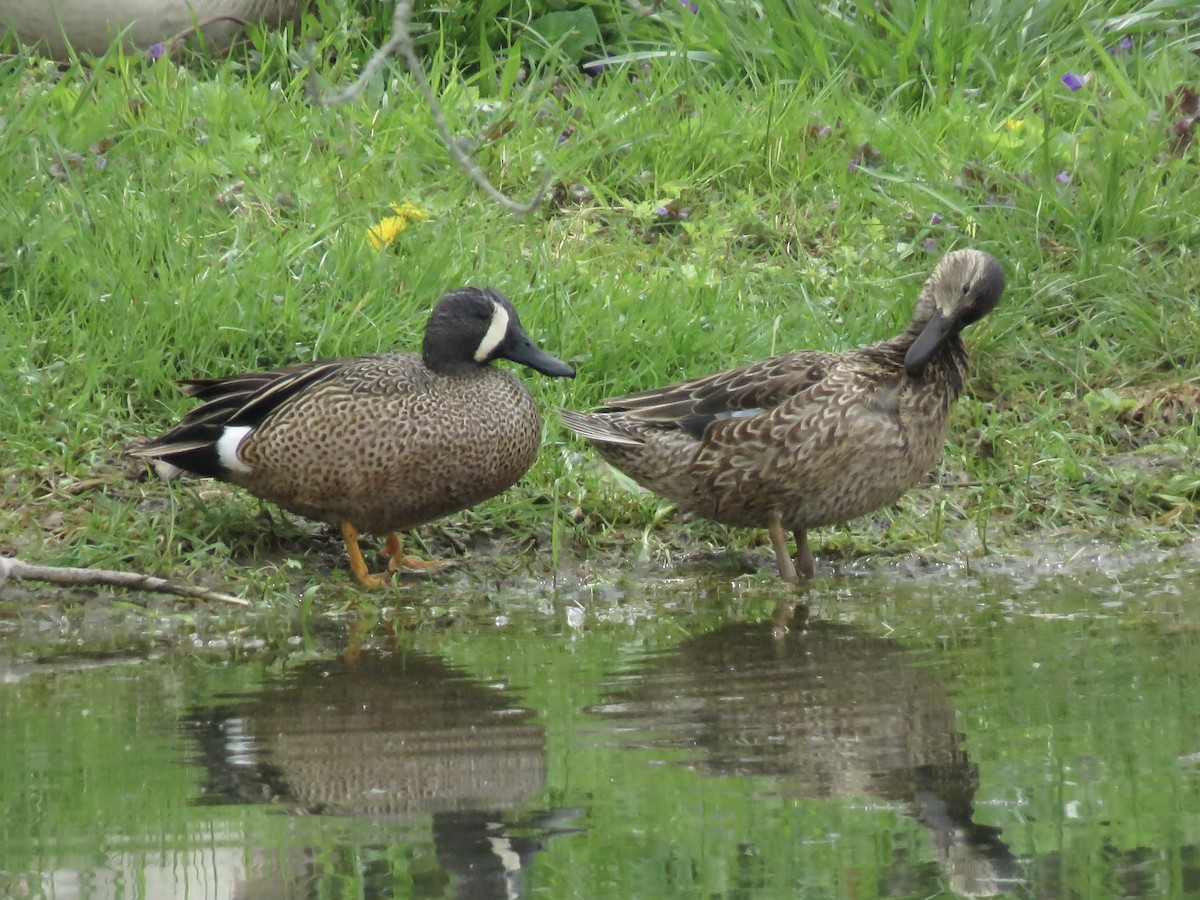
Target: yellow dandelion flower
(389,227)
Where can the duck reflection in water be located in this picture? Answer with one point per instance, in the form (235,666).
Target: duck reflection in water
(829,711)
(390,739)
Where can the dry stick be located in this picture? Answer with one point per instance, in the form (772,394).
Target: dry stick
(401,42)
(200,26)
(15,568)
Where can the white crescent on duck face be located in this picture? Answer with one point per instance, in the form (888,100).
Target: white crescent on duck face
(378,443)
(808,438)
(496,332)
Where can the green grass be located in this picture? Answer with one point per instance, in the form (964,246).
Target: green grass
(201,217)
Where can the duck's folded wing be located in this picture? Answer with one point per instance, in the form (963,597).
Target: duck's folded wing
(733,394)
(205,441)
(250,398)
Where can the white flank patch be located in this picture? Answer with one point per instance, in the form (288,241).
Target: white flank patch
(495,333)
(227,446)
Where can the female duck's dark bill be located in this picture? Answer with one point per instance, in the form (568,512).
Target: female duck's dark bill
(931,337)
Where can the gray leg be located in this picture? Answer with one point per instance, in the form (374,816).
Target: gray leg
(804,557)
(787,571)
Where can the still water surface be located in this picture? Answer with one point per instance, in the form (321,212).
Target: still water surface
(1013,733)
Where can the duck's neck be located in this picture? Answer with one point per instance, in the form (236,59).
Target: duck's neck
(948,364)
(442,365)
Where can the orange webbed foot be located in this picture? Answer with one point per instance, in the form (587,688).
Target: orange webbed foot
(398,562)
(358,565)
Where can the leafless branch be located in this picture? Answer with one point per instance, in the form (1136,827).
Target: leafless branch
(11,567)
(401,42)
(178,38)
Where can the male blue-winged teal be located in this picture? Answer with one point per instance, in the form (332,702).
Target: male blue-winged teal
(379,443)
(808,438)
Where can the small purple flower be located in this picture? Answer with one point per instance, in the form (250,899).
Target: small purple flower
(661,211)
(156,51)
(1072,81)
(936,219)
(100,162)
(1063,177)
(689,6)
(930,245)
(1124,45)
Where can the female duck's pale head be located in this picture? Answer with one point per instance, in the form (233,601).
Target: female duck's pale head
(965,287)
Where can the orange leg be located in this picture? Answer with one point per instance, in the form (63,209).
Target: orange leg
(394,551)
(358,565)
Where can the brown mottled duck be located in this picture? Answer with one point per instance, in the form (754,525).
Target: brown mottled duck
(808,438)
(379,443)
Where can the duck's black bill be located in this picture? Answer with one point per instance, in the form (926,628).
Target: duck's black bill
(520,349)
(932,336)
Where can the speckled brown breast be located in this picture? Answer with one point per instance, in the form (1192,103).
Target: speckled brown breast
(388,445)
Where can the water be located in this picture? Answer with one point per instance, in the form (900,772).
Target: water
(1029,732)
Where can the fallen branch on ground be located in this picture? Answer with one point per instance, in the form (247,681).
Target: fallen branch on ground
(401,42)
(11,567)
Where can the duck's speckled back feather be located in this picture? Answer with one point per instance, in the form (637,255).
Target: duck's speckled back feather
(248,399)
(694,404)
(231,402)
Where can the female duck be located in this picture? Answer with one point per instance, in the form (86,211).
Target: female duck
(379,443)
(809,438)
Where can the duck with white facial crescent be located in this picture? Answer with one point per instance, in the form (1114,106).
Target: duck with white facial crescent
(379,443)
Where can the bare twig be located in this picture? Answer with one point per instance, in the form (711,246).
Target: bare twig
(401,42)
(15,568)
(197,27)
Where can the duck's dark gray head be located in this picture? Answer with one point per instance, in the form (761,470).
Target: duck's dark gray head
(472,326)
(965,287)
